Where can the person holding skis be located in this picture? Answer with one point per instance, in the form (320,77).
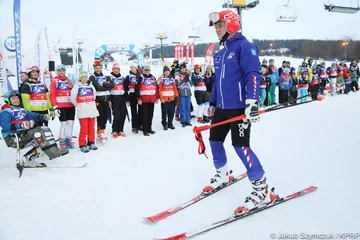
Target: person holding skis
(169,96)
(235,92)
(118,102)
(332,73)
(60,89)
(83,97)
(130,81)
(35,95)
(102,84)
(20,131)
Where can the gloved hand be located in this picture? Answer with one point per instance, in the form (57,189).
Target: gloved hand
(53,113)
(57,111)
(251,113)
(46,117)
(211,111)
(25,125)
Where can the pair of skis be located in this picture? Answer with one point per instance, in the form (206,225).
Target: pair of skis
(185,235)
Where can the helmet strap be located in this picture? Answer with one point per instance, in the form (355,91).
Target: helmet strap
(223,39)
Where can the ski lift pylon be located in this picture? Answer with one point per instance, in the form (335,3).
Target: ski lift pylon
(286,13)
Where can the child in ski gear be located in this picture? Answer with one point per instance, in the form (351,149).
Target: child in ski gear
(19,130)
(102,85)
(332,73)
(315,84)
(118,101)
(340,79)
(200,93)
(303,86)
(169,97)
(83,97)
(273,80)
(285,83)
(130,81)
(184,85)
(235,93)
(322,72)
(347,83)
(35,95)
(354,74)
(264,83)
(147,94)
(60,89)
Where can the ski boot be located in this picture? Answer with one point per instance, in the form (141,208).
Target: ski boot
(29,159)
(259,197)
(84,149)
(221,178)
(70,143)
(135,130)
(114,135)
(63,144)
(92,146)
(102,139)
(200,120)
(121,134)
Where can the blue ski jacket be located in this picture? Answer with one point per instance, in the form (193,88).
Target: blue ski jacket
(237,74)
(10,119)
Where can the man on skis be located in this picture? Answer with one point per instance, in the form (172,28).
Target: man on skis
(18,131)
(235,92)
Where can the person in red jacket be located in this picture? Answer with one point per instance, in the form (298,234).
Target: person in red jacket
(60,90)
(147,93)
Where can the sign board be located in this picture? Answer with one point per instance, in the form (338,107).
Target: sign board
(240,3)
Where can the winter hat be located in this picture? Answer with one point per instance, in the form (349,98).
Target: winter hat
(133,64)
(116,66)
(147,67)
(166,68)
(83,74)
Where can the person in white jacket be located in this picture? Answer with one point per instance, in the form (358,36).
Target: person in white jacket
(83,97)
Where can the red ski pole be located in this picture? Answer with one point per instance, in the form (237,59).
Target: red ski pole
(198,130)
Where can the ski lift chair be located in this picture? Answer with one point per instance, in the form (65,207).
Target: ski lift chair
(341,9)
(286,13)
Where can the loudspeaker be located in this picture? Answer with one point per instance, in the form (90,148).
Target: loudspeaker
(52,66)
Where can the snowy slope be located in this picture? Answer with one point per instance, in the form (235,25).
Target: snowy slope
(133,177)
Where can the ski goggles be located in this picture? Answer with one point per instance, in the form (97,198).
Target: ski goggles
(61,66)
(213,18)
(98,63)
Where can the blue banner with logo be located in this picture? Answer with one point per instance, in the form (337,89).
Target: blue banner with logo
(17,33)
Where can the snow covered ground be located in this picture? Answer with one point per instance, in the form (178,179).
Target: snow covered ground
(133,177)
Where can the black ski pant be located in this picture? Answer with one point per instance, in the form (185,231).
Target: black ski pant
(103,108)
(136,121)
(118,105)
(354,86)
(167,113)
(314,91)
(283,96)
(147,112)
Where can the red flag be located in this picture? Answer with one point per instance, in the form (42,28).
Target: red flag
(209,55)
(187,51)
(192,52)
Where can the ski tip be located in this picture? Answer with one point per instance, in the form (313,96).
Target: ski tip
(149,220)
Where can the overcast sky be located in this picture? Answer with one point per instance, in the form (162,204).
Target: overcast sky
(136,21)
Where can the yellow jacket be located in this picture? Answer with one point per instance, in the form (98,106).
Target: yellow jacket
(35,96)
